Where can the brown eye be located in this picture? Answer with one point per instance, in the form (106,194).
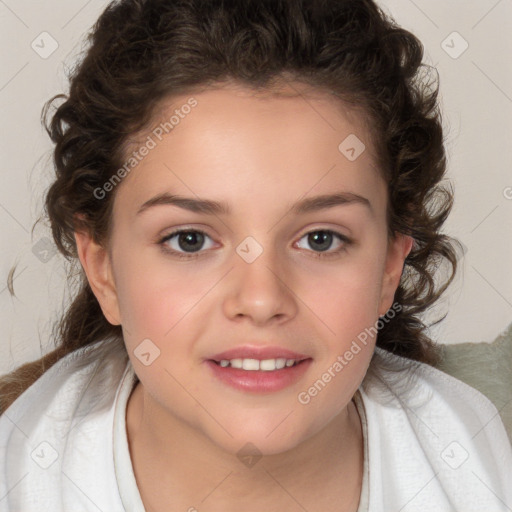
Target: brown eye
(185,241)
(320,241)
(190,241)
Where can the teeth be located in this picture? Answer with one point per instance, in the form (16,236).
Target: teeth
(282,362)
(266,365)
(250,364)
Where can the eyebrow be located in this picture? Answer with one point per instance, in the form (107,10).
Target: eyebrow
(210,207)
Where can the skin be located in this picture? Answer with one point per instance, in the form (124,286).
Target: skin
(260,153)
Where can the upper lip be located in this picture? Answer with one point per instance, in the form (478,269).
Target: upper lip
(258,352)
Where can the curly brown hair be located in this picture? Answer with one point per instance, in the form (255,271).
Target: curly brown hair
(144,51)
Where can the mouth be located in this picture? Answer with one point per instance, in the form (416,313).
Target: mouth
(264,365)
(262,370)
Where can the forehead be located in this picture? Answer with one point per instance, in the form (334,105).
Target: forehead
(235,143)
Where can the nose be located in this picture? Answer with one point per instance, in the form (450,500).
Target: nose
(260,291)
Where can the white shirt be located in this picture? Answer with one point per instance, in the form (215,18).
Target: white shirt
(431,443)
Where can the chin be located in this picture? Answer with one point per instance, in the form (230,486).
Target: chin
(261,438)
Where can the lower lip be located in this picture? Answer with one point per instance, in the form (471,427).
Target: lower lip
(259,381)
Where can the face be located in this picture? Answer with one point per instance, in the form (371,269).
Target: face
(267,274)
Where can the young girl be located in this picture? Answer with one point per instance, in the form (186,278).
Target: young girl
(253,192)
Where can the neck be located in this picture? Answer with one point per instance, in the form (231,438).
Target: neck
(178,468)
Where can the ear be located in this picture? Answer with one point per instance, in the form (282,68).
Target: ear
(96,263)
(398,249)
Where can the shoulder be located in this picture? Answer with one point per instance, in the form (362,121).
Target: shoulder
(58,427)
(61,388)
(432,427)
(414,386)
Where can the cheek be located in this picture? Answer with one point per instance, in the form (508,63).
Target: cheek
(349,306)
(346,297)
(158,297)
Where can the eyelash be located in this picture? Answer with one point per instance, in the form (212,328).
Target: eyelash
(180,255)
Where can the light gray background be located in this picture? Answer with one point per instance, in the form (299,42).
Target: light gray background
(476,92)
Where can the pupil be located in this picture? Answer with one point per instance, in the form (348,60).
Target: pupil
(322,238)
(191,238)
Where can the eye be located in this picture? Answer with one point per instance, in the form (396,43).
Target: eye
(322,240)
(188,243)
(184,242)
